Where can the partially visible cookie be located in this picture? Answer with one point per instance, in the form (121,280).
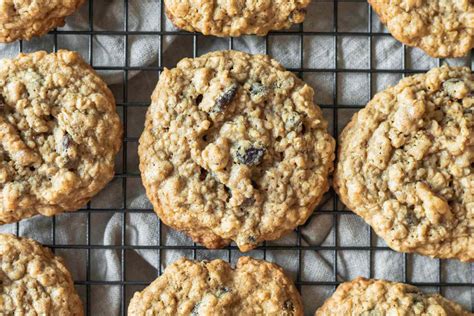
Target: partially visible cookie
(379,297)
(34,281)
(254,287)
(59,133)
(235,18)
(234,149)
(441,28)
(23,19)
(406,164)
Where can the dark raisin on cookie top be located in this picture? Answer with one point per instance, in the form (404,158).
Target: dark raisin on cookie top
(234,149)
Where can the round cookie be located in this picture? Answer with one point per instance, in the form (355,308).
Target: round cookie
(254,287)
(235,18)
(34,281)
(23,19)
(59,133)
(441,28)
(234,149)
(405,164)
(379,297)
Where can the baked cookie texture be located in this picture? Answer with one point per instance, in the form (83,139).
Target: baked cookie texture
(34,281)
(405,164)
(234,149)
(442,28)
(23,19)
(254,287)
(379,297)
(235,18)
(59,133)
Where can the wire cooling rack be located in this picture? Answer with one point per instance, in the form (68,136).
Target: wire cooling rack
(89,285)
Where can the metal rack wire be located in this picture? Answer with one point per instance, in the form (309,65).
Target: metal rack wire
(331,206)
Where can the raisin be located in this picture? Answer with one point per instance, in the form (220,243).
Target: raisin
(412,219)
(254,184)
(71,161)
(225,98)
(199,99)
(202,174)
(248,202)
(229,192)
(249,155)
(71,165)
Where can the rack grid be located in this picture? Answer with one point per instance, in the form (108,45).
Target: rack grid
(330,206)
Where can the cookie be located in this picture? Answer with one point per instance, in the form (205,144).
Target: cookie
(405,164)
(23,19)
(34,281)
(254,287)
(59,133)
(234,149)
(379,297)
(441,28)
(235,18)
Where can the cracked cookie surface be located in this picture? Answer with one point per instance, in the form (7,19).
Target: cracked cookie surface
(254,287)
(369,297)
(23,19)
(405,164)
(442,28)
(59,133)
(234,149)
(34,281)
(235,18)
